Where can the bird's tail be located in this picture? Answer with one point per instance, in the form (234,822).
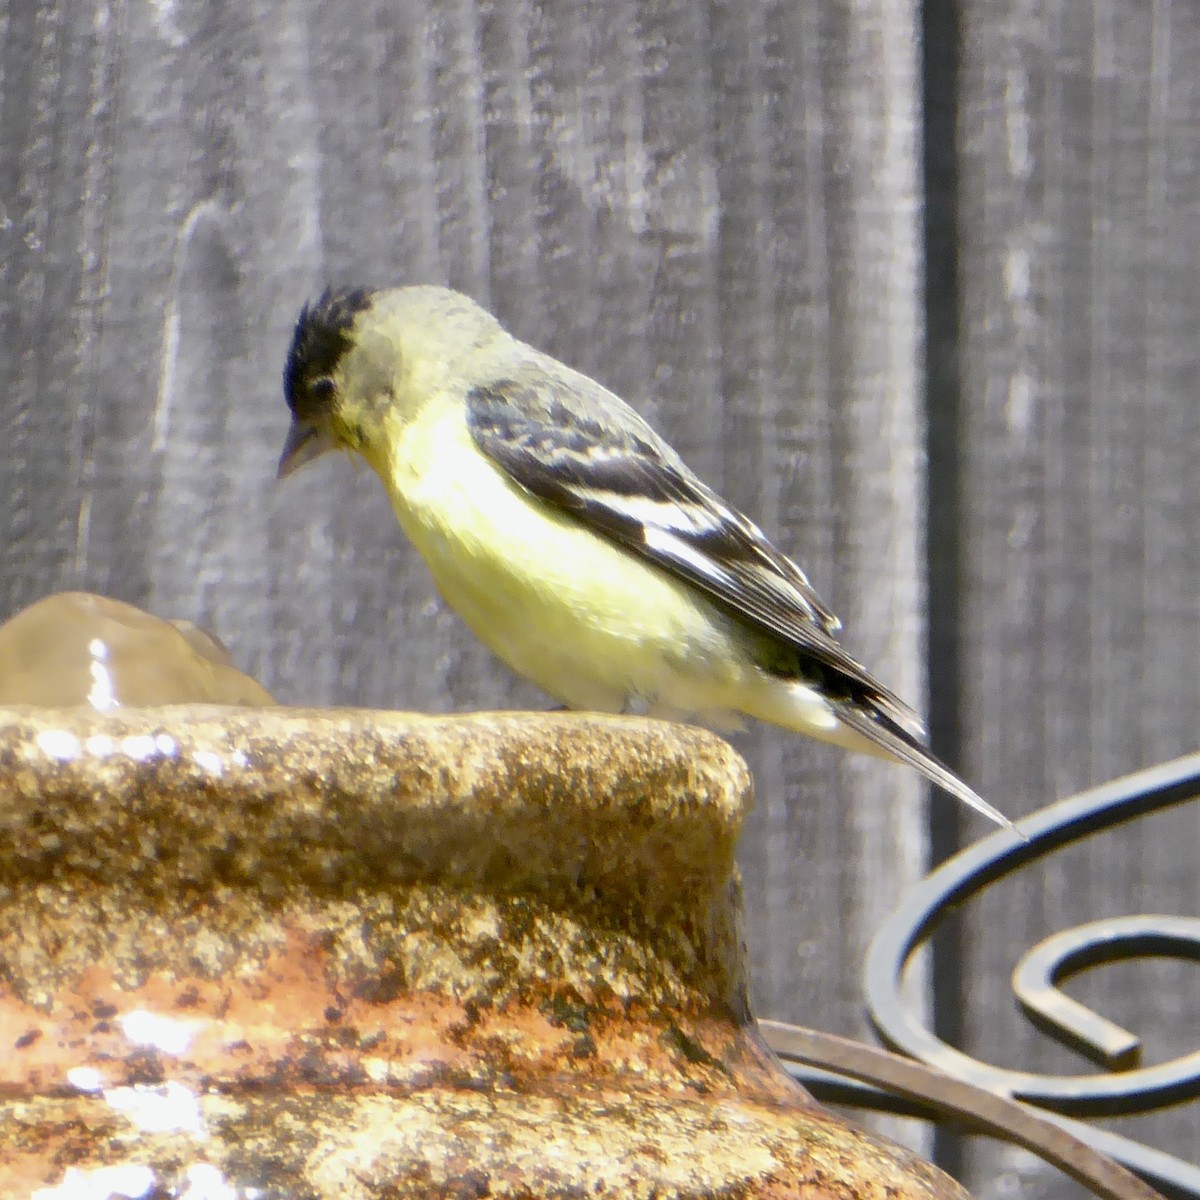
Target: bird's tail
(898,743)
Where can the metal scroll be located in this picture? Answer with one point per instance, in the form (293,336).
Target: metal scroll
(1056,1101)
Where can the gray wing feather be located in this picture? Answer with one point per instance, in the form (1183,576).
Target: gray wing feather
(578,447)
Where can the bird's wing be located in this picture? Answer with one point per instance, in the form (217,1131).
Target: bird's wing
(587,453)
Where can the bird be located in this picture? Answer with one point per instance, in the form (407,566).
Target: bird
(570,537)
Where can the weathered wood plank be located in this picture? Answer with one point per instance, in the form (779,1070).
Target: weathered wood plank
(1080,269)
(712,210)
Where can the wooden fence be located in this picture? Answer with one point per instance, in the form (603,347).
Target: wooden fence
(723,211)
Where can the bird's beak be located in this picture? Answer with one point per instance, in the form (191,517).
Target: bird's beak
(304,443)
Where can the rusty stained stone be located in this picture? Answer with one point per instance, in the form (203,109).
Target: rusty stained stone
(362,954)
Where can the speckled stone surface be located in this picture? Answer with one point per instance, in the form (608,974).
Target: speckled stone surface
(307,954)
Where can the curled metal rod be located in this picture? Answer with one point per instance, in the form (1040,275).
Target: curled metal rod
(1132,1088)
(1040,970)
(984,1111)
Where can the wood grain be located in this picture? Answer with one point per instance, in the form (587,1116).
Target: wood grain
(716,210)
(1080,165)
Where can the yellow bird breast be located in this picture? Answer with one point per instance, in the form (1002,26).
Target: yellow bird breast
(586,621)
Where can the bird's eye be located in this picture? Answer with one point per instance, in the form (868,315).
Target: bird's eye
(321,390)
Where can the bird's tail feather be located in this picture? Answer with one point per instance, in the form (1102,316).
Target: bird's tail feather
(900,744)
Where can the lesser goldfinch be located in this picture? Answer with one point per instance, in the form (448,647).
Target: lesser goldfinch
(570,537)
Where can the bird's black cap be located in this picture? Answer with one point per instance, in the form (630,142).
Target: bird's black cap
(321,337)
